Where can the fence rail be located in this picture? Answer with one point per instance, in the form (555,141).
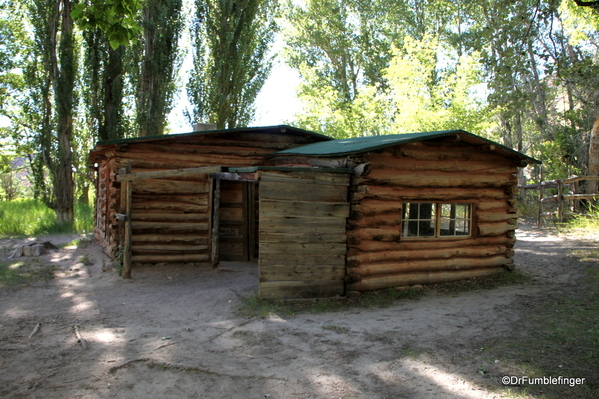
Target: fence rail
(567,204)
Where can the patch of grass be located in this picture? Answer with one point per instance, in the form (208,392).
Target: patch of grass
(32,217)
(21,273)
(482,283)
(585,225)
(256,307)
(558,337)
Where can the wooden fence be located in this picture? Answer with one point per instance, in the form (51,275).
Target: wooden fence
(567,198)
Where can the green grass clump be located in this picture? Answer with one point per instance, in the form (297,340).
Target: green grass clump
(32,217)
(585,225)
(21,273)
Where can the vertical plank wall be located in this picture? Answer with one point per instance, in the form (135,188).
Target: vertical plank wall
(302,221)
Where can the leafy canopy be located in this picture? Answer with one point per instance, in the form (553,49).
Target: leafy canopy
(116,18)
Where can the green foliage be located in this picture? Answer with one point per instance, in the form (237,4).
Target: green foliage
(523,73)
(116,18)
(49,108)
(434,89)
(32,217)
(157,57)
(231,60)
(585,225)
(13,46)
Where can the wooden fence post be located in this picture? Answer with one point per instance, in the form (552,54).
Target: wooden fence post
(560,200)
(214,240)
(540,195)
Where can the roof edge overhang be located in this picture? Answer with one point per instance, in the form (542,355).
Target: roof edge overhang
(254,129)
(368,145)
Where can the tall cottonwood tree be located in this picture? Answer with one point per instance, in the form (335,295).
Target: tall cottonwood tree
(232,39)
(104,80)
(157,52)
(51,77)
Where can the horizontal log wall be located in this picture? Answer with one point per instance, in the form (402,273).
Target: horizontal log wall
(302,234)
(173,212)
(106,228)
(444,171)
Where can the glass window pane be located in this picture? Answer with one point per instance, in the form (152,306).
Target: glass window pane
(462,227)
(427,211)
(462,211)
(412,229)
(445,210)
(427,228)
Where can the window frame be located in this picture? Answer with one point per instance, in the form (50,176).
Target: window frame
(438,219)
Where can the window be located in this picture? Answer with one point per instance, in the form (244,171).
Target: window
(434,219)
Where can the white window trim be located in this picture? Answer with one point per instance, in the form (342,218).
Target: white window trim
(437,219)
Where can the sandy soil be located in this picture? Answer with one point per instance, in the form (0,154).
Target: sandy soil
(175,333)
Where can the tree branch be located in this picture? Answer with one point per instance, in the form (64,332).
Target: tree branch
(592,4)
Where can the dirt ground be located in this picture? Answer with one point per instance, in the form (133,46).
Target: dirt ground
(176,333)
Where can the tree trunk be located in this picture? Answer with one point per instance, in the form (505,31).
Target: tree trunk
(593,167)
(64,84)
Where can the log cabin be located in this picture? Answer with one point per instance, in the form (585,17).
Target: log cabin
(322,217)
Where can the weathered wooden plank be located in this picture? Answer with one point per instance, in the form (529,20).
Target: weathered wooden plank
(497,217)
(311,178)
(300,289)
(298,248)
(481,251)
(159,205)
(192,258)
(127,238)
(299,192)
(195,199)
(438,243)
(155,248)
(168,173)
(169,187)
(495,229)
(444,151)
(291,259)
(214,238)
(169,227)
(357,219)
(167,238)
(381,233)
(213,159)
(401,193)
(305,225)
(370,207)
(371,269)
(274,208)
(300,273)
(198,148)
(139,215)
(395,280)
(459,165)
(437,179)
(267,236)
(493,206)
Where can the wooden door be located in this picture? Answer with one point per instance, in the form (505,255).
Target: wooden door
(234,221)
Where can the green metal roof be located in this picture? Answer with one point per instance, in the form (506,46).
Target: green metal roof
(356,145)
(257,129)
